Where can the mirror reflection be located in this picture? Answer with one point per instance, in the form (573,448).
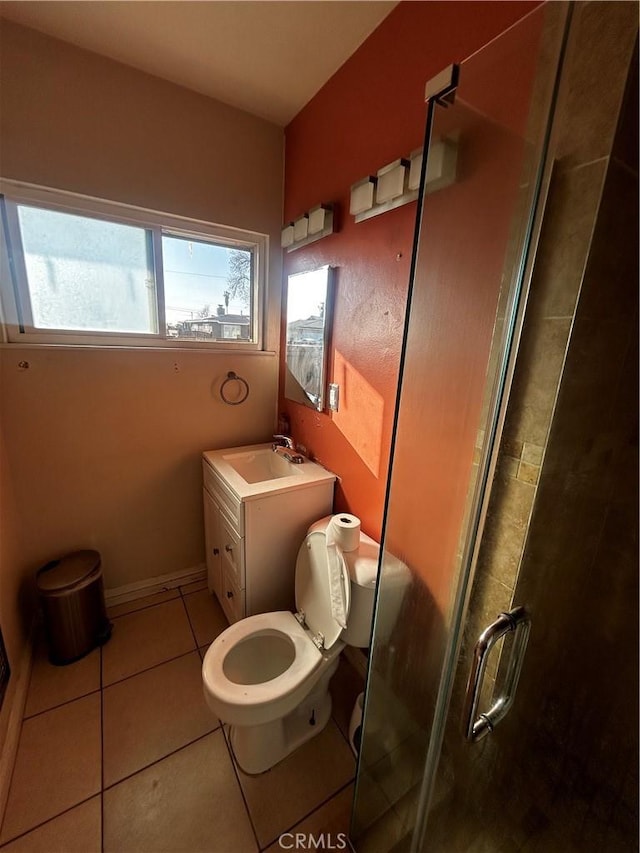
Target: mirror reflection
(308,325)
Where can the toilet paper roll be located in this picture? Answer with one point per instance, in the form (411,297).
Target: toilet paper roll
(345,531)
(343,534)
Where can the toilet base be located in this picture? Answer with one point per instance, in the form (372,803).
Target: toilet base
(259,748)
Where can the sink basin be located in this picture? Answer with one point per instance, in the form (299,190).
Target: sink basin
(252,471)
(258,466)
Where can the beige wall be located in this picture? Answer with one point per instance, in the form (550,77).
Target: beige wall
(73,120)
(105,445)
(100,448)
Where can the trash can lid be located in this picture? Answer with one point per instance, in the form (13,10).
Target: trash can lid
(67,571)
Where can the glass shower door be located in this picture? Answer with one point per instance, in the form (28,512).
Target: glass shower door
(470,260)
(556,562)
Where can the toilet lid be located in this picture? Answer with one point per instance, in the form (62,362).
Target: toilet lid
(315,587)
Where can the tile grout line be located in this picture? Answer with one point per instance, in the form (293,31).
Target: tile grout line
(62,704)
(141,607)
(162,758)
(308,814)
(148,606)
(103,787)
(50,819)
(244,799)
(136,608)
(157,761)
(193,633)
(100,690)
(149,668)
(86,799)
(111,684)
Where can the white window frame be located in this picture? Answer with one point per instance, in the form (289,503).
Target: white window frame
(14,289)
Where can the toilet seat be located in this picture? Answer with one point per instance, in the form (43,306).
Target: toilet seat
(323,588)
(256,697)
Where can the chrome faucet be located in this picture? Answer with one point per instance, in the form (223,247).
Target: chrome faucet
(285,446)
(283,441)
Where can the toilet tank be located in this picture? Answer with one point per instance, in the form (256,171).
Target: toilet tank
(363,571)
(362,565)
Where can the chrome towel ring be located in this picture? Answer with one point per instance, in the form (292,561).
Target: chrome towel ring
(232,376)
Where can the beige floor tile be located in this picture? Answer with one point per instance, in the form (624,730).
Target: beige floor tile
(143,639)
(151,714)
(77,831)
(406,808)
(57,765)
(398,772)
(141,603)
(53,685)
(385,834)
(331,821)
(371,803)
(188,802)
(196,586)
(206,616)
(282,796)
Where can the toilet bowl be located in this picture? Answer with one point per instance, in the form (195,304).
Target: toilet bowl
(260,668)
(268,675)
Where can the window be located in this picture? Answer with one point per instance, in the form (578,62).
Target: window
(84,271)
(86,274)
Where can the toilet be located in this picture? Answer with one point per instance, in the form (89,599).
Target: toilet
(268,675)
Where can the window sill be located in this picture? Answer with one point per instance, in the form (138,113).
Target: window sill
(210,350)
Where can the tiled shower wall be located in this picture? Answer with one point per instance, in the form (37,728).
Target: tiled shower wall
(586,122)
(582,550)
(563,519)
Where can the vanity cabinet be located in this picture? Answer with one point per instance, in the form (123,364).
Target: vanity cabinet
(253,532)
(212,542)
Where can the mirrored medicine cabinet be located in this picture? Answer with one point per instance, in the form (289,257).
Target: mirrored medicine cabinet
(309,313)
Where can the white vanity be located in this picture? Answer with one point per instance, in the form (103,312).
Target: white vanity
(257,508)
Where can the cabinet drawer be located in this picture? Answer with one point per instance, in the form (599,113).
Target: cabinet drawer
(224,496)
(232,599)
(232,552)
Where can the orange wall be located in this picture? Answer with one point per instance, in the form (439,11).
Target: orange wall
(101,448)
(370,113)
(467,241)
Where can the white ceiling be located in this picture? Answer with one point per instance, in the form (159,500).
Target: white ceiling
(264,56)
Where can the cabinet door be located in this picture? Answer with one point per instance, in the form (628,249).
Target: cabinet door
(232,598)
(232,552)
(212,538)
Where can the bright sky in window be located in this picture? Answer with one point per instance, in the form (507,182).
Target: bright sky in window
(196,275)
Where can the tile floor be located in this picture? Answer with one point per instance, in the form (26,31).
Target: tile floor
(119,752)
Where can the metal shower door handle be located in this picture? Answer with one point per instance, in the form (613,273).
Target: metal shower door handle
(476,726)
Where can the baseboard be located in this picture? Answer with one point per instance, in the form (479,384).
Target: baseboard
(11,719)
(131,591)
